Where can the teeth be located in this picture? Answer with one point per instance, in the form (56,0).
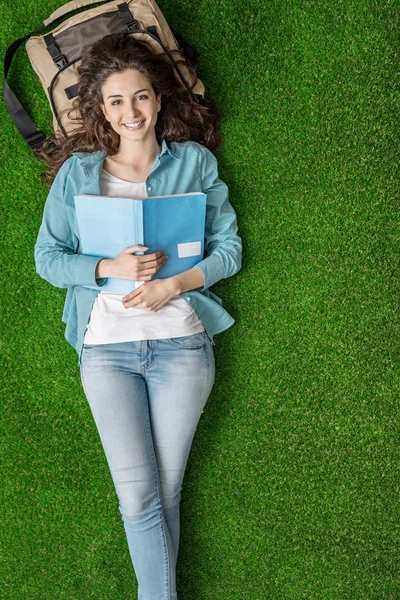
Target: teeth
(133,125)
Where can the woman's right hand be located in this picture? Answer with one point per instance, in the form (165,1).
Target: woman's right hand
(129,266)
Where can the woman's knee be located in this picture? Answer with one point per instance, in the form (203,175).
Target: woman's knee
(171,494)
(137,498)
(138,509)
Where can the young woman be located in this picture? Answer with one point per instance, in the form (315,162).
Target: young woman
(146,359)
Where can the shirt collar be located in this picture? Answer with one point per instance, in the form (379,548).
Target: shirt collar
(90,159)
(167,148)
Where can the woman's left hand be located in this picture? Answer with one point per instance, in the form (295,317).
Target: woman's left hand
(152,295)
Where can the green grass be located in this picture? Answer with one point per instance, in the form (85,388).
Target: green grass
(292,485)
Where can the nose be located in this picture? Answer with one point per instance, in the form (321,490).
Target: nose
(133,109)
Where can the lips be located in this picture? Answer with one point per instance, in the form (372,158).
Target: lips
(133,126)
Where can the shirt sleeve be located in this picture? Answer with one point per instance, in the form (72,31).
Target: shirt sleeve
(56,249)
(222,243)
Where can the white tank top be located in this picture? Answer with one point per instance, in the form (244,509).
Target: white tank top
(110,322)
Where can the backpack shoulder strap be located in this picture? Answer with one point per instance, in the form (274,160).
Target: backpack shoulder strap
(33,137)
(69,7)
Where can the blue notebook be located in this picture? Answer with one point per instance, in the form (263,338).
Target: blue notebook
(173,224)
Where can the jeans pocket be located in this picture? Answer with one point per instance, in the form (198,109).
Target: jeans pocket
(189,342)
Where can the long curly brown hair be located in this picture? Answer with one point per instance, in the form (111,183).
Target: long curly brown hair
(180,119)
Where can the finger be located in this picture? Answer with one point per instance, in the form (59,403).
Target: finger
(134,298)
(134,303)
(142,272)
(144,278)
(132,294)
(153,266)
(142,304)
(136,248)
(137,303)
(151,257)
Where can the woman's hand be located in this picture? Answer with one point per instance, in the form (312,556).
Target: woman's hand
(128,266)
(153,295)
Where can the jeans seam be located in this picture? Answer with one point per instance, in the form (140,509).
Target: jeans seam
(183,347)
(207,378)
(83,380)
(159,498)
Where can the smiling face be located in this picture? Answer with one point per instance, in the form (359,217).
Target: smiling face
(131,105)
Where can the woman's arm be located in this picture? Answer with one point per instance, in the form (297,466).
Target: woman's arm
(222,243)
(56,246)
(153,295)
(189,280)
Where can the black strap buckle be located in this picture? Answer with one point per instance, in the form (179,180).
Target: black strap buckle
(35,140)
(58,58)
(125,14)
(60,62)
(132,26)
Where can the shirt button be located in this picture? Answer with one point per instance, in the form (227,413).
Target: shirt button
(189,299)
(149,188)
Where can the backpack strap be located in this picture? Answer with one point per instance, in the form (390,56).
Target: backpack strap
(59,60)
(69,7)
(188,50)
(33,137)
(126,16)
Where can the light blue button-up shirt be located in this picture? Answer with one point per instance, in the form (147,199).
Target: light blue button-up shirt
(178,169)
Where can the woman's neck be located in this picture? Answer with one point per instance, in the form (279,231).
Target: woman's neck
(138,154)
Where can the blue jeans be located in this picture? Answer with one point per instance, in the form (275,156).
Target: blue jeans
(146,398)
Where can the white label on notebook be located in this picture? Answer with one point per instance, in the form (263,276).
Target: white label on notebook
(189,249)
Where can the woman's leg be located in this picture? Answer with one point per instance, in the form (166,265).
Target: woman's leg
(179,382)
(112,376)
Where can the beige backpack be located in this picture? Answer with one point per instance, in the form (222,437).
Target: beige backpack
(56,55)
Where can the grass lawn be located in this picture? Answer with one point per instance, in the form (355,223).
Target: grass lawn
(291,489)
